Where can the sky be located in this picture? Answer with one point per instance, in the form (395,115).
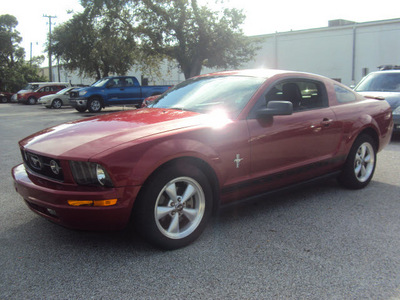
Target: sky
(262,16)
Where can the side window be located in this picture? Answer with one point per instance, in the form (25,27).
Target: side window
(115,82)
(129,82)
(304,94)
(344,95)
(47,89)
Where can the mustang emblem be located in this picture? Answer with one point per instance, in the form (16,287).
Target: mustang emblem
(237,160)
(55,167)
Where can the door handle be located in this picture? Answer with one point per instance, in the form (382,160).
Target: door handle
(326,122)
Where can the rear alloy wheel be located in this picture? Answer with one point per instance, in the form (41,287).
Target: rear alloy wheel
(94,105)
(360,165)
(4,100)
(174,207)
(57,103)
(31,100)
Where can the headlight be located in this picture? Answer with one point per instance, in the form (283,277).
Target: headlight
(396,111)
(89,173)
(82,93)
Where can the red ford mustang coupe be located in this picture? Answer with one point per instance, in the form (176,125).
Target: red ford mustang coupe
(207,142)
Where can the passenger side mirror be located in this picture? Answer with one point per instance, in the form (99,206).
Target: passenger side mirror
(276,108)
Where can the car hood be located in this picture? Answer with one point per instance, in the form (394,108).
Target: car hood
(86,138)
(392,98)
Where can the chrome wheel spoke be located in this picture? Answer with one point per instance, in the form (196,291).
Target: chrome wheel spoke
(190,213)
(189,192)
(163,211)
(171,192)
(174,225)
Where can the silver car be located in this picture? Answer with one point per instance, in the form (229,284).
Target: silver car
(385,85)
(56,100)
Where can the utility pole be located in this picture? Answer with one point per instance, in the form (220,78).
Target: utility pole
(50,67)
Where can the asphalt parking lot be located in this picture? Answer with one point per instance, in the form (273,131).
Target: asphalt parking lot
(318,242)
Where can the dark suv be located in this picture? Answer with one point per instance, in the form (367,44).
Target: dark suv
(383,84)
(32,97)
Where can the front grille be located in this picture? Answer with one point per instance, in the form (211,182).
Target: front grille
(45,166)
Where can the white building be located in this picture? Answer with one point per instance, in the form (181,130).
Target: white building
(345,51)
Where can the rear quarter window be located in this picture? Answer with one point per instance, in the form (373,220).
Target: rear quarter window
(344,95)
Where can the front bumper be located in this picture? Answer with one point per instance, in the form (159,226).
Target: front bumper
(50,200)
(78,103)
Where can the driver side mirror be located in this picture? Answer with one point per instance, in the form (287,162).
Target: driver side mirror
(276,108)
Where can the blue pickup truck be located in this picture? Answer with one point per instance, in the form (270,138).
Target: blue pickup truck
(113,90)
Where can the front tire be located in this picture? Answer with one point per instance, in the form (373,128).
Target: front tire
(174,207)
(360,164)
(94,105)
(57,103)
(31,100)
(81,109)
(4,100)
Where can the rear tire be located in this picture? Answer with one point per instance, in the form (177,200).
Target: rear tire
(360,164)
(174,206)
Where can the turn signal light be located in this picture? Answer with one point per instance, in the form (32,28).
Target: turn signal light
(108,202)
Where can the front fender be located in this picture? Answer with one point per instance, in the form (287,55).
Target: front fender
(131,165)
(168,150)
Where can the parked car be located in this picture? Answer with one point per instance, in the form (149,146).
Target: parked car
(113,90)
(147,101)
(32,97)
(5,97)
(58,99)
(209,141)
(386,85)
(33,86)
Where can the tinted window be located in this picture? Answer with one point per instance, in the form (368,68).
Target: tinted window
(344,95)
(304,94)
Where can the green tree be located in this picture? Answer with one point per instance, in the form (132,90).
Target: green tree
(182,31)
(15,72)
(94,45)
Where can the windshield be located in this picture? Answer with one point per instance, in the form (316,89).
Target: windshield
(380,82)
(204,94)
(31,87)
(101,82)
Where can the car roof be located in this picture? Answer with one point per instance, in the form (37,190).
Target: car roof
(385,72)
(263,73)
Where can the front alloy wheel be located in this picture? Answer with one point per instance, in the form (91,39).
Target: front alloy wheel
(57,103)
(94,105)
(174,206)
(31,100)
(179,208)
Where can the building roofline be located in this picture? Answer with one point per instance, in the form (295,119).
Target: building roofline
(351,25)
